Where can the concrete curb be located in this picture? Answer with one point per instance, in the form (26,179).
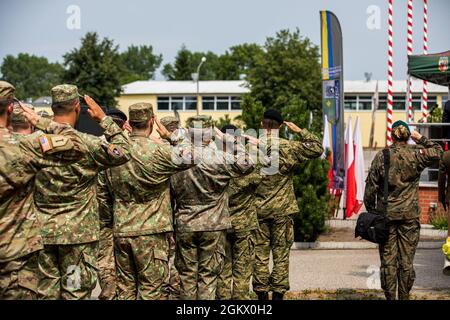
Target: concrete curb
(354,245)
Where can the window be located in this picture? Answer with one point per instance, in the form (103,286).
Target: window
(177,103)
(208,103)
(191,103)
(235,103)
(350,102)
(364,102)
(163,103)
(221,103)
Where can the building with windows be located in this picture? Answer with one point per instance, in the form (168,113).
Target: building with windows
(218,98)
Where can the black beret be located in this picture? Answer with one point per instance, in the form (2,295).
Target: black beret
(228,127)
(116,113)
(274,115)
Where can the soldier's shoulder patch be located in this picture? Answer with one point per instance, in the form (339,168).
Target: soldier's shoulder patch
(114,151)
(59,141)
(45,143)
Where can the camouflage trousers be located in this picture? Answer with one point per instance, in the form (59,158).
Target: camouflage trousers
(106,265)
(142,266)
(199,260)
(234,281)
(396,256)
(275,234)
(68,272)
(19,278)
(172,283)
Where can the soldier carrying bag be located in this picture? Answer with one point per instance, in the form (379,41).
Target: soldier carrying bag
(373,226)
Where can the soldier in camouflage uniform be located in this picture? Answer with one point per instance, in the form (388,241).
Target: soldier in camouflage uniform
(406,164)
(276,203)
(21,157)
(172,284)
(142,211)
(106,260)
(201,212)
(19,124)
(66,203)
(234,281)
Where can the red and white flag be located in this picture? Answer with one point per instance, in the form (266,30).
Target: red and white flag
(350,185)
(360,170)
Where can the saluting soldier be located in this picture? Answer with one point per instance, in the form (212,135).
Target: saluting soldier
(276,203)
(142,214)
(201,211)
(406,164)
(21,157)
(65,199)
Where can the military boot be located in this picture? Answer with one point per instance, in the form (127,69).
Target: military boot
(277,296)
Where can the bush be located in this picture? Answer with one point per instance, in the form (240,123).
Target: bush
(311,189)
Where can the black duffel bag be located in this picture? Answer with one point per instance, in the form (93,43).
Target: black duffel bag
(374,226)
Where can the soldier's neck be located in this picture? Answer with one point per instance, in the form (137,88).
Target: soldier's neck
(4,121)
(66,119)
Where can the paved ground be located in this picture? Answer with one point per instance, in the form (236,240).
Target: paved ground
(358,269)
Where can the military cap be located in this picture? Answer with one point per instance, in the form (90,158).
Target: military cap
(17,116)
(401,123)
(200,121)
(140,112)
(166,121)
(7,91)
(273,115)
(64,92)
(116,114)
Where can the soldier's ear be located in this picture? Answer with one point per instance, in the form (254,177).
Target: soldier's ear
(10,109)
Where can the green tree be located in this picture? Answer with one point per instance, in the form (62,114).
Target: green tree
(235,62)
(286,77)
(96,68)
(186,63)
(140,63)
(31,75)
(289,66)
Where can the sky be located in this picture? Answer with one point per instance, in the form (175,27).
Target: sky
(40,27)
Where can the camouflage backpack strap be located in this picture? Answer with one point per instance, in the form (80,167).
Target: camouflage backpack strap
(387,163)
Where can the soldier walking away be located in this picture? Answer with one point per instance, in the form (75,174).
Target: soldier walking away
(65,199)
(276,203)
(21,157)
(407,162)
(142,214)
(201,212)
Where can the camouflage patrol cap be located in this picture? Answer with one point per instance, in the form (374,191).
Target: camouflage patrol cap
(64,92)
(7,91)
(201,121)
(17,115)
(169,120)
(140,112)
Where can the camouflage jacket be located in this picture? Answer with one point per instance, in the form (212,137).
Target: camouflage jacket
(21,157)
(141,188)
(406,164)
(200,194)
(241,202)
(275,194)
(65,197)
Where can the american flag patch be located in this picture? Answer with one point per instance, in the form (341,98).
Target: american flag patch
(45,143)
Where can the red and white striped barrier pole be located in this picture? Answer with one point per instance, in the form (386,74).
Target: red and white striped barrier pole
(425,51)
(390,72)
(409,51)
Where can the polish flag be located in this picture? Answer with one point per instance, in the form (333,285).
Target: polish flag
(359,167)
(350,192)
(327,150)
